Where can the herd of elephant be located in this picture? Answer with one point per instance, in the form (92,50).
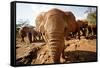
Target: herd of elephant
(54,26)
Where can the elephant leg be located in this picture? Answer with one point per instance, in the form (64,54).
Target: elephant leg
(85,31)
(63,56)
(82,29)
(33,38)
(40,38)
(30,37)
(22,38)
(44,37)
(73,33)
(79,34)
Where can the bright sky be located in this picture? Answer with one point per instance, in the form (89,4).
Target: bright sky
(29,12)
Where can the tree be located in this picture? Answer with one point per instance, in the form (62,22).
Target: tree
(21,23)
(91,15)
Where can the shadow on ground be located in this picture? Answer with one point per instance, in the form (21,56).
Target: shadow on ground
(80,56)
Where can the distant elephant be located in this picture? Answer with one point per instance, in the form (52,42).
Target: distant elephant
(92,29)
(23,33)
(73,25)
(40,24)
(55,28)
(30,32)
(83,27)
(39,20)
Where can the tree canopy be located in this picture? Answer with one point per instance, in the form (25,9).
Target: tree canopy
(91,17)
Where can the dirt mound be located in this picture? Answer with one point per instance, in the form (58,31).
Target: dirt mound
(38,53)
(42,56)
(28,54)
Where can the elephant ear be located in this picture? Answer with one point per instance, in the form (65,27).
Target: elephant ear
(40,22)
(41,28)
(70,17)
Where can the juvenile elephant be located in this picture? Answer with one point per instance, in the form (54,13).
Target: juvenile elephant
(55,28)
(55,25)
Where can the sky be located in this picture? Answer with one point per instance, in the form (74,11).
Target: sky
(28,12)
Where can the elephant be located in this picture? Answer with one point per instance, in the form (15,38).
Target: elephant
(55,25)
(74,26)
(92,29)
(23,33)
(39,20)
(30,32)
(83,27)
(40,24)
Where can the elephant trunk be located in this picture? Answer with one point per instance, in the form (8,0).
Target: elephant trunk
(56,46)
(54,32)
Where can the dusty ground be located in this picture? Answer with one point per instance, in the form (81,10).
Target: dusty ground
(75,51)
